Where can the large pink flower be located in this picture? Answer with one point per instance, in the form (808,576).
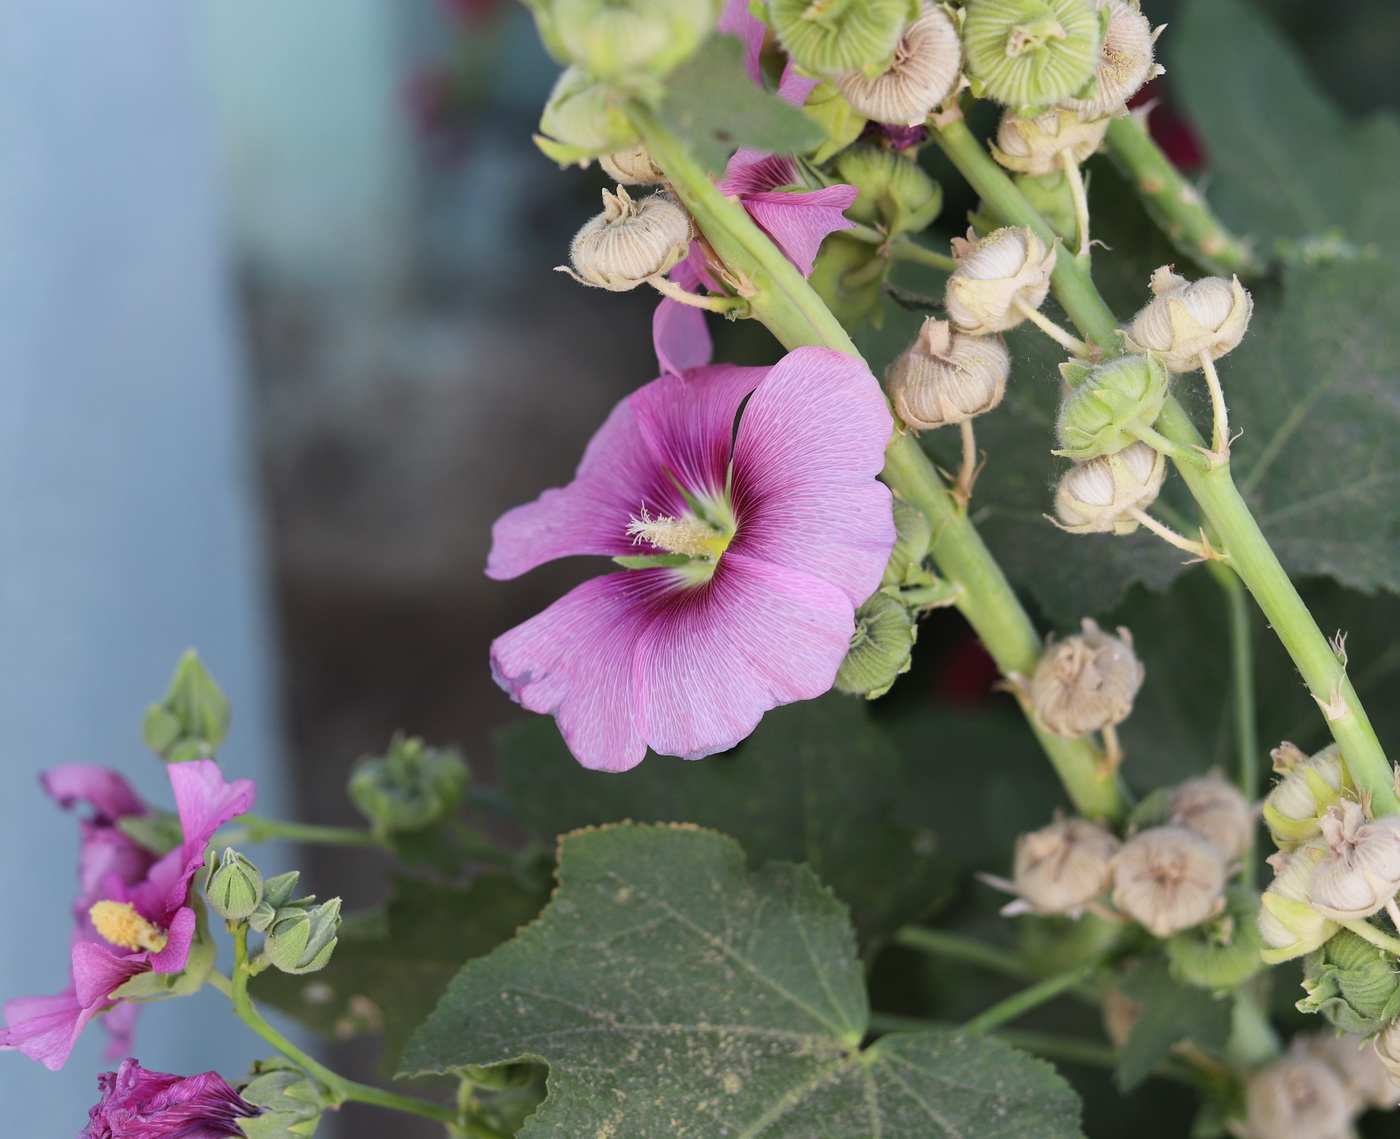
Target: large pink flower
(149,922)
(140,1104)
(759,544)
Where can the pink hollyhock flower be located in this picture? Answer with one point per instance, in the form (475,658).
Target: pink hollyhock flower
(134,913)
(137,1104)
(750,551)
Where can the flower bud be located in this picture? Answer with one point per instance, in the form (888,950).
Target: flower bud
(913,534)
(1168,879)
(582,120)
(290,1100)
(1367,1082)
(1110,403)
(895,192)
(1053,199)
(1310,787)
(629,242)
(1298,1098)
(1288,924)
(1086,682)
(234,886)
(1217,811)
(880,648)
(1095,497)
(1061,868)
(192,719)
(632,166)
(947,376)
(622,39)
(1363,871)
(1222,953)
(925,69)
(1034,146)
(852,295)
(1186,319)
(834,36)
(1008,268)
(1387,1047)
(1030,53)
(410,787)
(302,942)
(1124,64)
(1351,983)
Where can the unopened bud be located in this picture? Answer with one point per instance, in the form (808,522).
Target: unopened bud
(582,119)
(1188,319)
(834,36)
(947,376)
(1125,62)
(192,719)
(1288,923)
(629,242)
(624,39)
(1168,879)
(895,192)
(1217,811)
(302,942)
(1297,1097)
(880,648)
(1111,403)
(842,123)
(1221,953)
(234,887)
(1351,983)
(913,534)
(1363,871)
(925,69)
(1034,146)
(997,278)
(632,166)
(1097,497)
(1030,53)
(1086,682)
(1365,1078)
(1310,787)
(1061,868)
(409,787)
(291,1101)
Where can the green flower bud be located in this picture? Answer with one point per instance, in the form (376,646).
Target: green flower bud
(842,122)
(829,37)
(192,720)
(947,376)
(1030,53)
(1034,146)
(1351,983)
(925,70)
(997,279)
(276,901)
(894,192)
(1222,953)
(622,39)
(629,242)
(1086,682)
(1096,497)
(1190,319)
(880,648)
(842,279)
(913,533)
(1288,924)
(291,1101)
(278,891)
(1124,63)
(409,788)
(1168,879)
(632,166)
(302,941)
(234,886)
(1110,404)
(583,119)
(1310,787)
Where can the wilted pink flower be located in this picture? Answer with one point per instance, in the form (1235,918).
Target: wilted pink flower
(133,910)
(137,1104)
(759,544)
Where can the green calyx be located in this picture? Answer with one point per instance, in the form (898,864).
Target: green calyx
(234,886)
(291,1102)
(1113,404)
(1222,953)
(1352,983)
(844,280)
(1030,53)
(303,940)
(583,119)
(913,534)
(619,40)
(880,649)
(192,719)
(842,122)
(832,36)
(894,192)
(410,787)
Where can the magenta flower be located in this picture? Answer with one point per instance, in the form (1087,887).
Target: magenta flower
(750,548)
(133,913)
(137,1104)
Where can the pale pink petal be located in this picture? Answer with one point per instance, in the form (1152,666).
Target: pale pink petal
(173,957)
(755,636)
(204,801)
(736,20)
(799,222)
(111,796)
(106,854)
(680,336)
(795,88)
(754,171)
(44,1028)
(97,970)
(810,443)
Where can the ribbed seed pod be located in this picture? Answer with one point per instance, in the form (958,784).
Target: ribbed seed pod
(1125,62)
(1168,879)
(1309,788)
(1034,146)
(1387,1046)
(1095,497)
(1061,868)
(1222,953)
(632,166)
(629,242)
(1288,923)
(1367,1082)
(925,69)
(895,192)
(1110,404)
(1008,268)
(1351,983)
(1086,682)
(947,377)
(1363,871)
(627,39)
(1187,318)
(1030,53)
(913,534)
(1217,811)
(1295,1098)
(880,648)
(830,37)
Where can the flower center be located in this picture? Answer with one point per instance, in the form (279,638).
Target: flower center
(691,536)
(120,924)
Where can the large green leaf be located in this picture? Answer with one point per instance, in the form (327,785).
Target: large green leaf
(675,992)
(817,782)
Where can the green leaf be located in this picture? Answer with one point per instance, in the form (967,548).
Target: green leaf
(1170,1013)
(392,965)
(816,782)
(713,107)
(674,992)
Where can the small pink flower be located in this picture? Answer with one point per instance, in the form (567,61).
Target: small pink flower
(137,1104)
(769,537)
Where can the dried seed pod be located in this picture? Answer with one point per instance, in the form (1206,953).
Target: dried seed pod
(1309,788)
(632,166)
(1187,318)
(1387,1047)
(1095,497)
(1030,53)
(1363,871)
(925,69)
(629,242)
(1168,879)
(1365,1078)
(1086,682)
(1352,983)
(1110,404)
(1125,62)
(1034,146)
(947,377)
(1008,268)
(1217,811)
(1288,923)
(1061,868)
(831,37)
(1297,1097)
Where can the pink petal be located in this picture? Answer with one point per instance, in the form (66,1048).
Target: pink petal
(97,970)
(753,171)
(736,20)
(810,443)
(799,222)
(44,1028)
(680,336)
(173,957)
(795,88)
(107,854)
(204,801)
(756,636)
(110,795)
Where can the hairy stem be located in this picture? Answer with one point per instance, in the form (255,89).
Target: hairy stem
(1032,997)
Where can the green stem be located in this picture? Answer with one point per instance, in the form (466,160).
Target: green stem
(905,248)
(259,829)
(341,1090)
(1242,693)
(955,947)
(1175,205)
(1032,997)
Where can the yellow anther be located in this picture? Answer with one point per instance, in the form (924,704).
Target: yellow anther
(120,924)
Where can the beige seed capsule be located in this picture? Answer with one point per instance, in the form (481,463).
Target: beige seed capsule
(947,376)
(1309,787)
(629,242)
(1363,871)
(1061,868)
(925,70)
(1086,682)
(1125,62)
(1034,146)
(1365,1078)
(997,278)
(1186,319)
(1097,497)
(1288,924)
(1168,879)
(1387,1045)
(632,166)
(1217,811)
(1298,1097)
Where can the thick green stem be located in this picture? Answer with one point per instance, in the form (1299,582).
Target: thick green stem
(905,248)
(1178,209)
(258,829)
(1018,1004)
